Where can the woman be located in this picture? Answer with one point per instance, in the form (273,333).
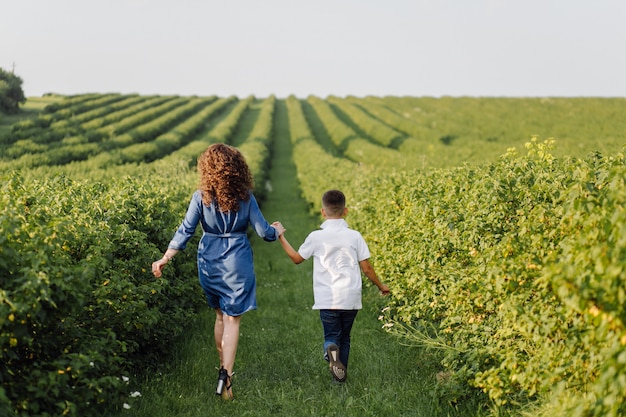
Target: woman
(224,206)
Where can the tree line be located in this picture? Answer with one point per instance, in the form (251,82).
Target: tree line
(11,92)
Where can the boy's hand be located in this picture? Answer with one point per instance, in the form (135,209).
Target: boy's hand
(384,289)
(280,229)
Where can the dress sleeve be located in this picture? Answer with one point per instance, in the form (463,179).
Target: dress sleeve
(187,228)
(258,222)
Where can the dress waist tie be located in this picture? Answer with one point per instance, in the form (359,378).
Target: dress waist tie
(233,234)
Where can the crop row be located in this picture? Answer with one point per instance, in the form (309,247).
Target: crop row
(77,142)
(82,312)
(354,128)
(380,132)
(392,132)
(49,126)
(317,169)
(76,148)
(512,272)
(256,147)
(99,112)
(351,144)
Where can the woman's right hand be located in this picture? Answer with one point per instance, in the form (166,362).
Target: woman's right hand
(157,267)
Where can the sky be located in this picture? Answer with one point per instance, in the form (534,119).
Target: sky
(513,48)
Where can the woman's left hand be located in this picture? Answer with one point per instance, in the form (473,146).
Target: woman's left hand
(280,229)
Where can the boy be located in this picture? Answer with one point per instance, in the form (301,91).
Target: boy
(340,254)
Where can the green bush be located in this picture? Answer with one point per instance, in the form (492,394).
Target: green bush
(513,271)
(79,307)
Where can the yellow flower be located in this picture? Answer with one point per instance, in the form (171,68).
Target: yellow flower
(594,311)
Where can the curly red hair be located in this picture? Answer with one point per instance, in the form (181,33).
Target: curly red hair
(224,177)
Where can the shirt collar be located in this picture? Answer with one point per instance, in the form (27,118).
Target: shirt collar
(334,224)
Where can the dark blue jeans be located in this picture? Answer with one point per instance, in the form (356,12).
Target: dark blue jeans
(337,325)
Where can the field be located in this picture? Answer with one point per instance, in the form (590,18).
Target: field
(499,223)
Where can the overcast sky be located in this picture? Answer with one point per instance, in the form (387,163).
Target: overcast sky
(319,47)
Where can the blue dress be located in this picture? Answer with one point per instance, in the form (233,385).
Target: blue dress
(225,264)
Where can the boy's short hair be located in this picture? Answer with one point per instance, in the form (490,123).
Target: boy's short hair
(334,202)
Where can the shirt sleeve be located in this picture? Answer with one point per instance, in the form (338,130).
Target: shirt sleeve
(187,228)
(362,250)
(307,249)
(258,222)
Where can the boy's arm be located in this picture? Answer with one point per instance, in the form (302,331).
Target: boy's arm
(289,250)
(369,272)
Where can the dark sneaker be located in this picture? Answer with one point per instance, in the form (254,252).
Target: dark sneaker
(337,369)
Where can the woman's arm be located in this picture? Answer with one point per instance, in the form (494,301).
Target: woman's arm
(187,228)
(182,235)
(157,266)
(261,226)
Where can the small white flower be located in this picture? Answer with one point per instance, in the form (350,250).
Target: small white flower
(126,406)
(135,394)
(91,364)
(125,379)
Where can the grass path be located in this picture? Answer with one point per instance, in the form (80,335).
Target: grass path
(279,369)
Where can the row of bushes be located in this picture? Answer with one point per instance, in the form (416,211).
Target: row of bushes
(41,129)
(100,153)
(401,123)
(514,273)
(117,121)
(74,142)
(79,308)
(317,169)
(165,143)
(256,147)
(81,312)
(326,120)
(378,131)
(206,131)
(100,109)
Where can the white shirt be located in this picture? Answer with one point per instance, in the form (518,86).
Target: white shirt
(337,251)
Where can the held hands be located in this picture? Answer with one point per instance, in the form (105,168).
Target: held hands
(280,229)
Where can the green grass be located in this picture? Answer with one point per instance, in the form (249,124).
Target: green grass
(279,369)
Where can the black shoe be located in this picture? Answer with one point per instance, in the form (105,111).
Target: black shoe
(224,385)
(337,369)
